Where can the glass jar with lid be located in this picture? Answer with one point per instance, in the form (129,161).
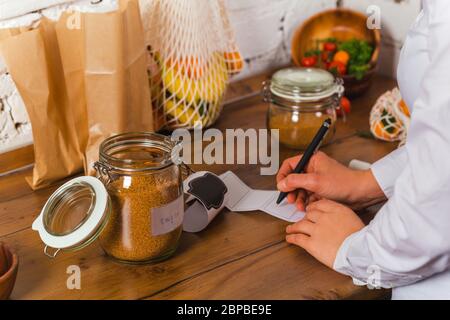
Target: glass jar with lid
(134,207)
(300,99)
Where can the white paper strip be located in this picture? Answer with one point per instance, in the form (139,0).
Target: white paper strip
(237,197)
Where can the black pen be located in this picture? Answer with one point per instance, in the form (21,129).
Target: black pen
(309,152)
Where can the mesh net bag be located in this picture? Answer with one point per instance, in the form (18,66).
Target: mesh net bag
(389,118)
(192,54)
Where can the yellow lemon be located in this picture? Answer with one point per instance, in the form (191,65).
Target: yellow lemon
(210,86)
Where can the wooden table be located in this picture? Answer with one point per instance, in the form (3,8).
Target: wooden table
(239,256)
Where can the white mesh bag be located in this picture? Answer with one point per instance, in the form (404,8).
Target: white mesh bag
(389,118)
(192,55)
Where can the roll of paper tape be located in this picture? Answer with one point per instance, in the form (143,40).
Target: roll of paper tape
(359,165)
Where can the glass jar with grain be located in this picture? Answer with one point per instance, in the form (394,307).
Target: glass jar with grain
(134,206)
(145,188)
(300,99)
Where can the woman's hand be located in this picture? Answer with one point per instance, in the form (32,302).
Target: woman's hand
(327,178)
(325,227)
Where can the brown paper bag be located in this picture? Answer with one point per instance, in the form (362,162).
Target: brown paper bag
(72,57)
(117,90)
(105,60)
(33,60)
(80,85)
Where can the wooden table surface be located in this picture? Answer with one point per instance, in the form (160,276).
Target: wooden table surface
(239,255)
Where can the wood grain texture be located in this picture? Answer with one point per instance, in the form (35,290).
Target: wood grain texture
(239,256)
(16,159)
(259,276)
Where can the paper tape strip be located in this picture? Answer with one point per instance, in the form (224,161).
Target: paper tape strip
(208,194)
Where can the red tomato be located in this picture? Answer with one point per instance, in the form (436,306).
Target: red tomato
(337,68)
(330,46)
(308,61)
(346,107)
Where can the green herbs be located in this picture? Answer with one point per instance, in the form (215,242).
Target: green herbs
(358,71)
(350,57)
(312,53)
(387,120)
(360,54)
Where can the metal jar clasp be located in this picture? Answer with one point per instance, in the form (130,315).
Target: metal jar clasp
(103,172)
(267,97)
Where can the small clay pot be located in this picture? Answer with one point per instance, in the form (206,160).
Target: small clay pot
(9,264)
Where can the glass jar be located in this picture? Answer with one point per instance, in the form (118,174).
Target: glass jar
(145,188)
(134,207)
(300,100)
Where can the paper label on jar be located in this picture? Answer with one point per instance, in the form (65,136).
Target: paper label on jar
(167,218)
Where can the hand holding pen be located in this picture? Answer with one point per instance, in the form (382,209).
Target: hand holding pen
(309,152)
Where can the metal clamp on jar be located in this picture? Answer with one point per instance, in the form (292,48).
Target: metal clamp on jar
(135,207)
(300,99)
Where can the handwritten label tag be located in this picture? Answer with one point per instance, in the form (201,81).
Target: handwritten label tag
(167,218)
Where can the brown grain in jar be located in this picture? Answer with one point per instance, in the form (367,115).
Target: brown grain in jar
(145,188)
(299,100)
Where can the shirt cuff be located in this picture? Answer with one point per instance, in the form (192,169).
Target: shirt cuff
(341,263)
(360,271)
(387,170)
(354,259)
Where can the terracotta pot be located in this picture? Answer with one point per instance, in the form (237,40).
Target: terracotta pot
(9,264)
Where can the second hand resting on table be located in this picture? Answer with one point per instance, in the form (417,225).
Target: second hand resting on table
(328,191)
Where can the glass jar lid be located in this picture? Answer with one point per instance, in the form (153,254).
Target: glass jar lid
(304,84)
(74,214)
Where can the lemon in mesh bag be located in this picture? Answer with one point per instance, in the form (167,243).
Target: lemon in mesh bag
(192,54)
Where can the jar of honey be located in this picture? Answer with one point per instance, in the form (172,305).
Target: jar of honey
(134,207)
(299,100)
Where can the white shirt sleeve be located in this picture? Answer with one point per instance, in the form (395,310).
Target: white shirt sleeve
(387,169)
(409,239)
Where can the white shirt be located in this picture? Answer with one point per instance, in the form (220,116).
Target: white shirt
(407,244)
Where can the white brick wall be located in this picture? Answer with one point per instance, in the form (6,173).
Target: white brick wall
(15,129)
(263,32)
(264,29)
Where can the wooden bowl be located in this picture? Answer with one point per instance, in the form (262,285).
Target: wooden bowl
(356,87)
(9,264)
(342,24)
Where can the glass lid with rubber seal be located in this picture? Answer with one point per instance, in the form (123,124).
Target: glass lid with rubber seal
(304,84)
(74,215)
